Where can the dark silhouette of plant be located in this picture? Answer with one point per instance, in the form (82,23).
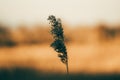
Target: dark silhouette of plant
(58,43)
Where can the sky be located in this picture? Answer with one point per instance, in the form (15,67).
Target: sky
(73,12)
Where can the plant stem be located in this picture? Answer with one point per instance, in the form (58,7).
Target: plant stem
(67,70)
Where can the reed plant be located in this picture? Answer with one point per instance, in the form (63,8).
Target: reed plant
(59,42)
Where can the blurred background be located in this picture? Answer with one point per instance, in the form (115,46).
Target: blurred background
(92,38)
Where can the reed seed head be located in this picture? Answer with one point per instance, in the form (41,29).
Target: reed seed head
(58,43)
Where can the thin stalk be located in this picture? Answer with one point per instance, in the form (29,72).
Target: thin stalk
(67,70)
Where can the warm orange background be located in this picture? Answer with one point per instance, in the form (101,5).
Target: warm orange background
(90,49)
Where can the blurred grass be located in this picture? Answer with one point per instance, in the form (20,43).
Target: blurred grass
(32,74)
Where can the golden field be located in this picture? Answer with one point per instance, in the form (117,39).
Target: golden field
(102,58)
(90,50)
